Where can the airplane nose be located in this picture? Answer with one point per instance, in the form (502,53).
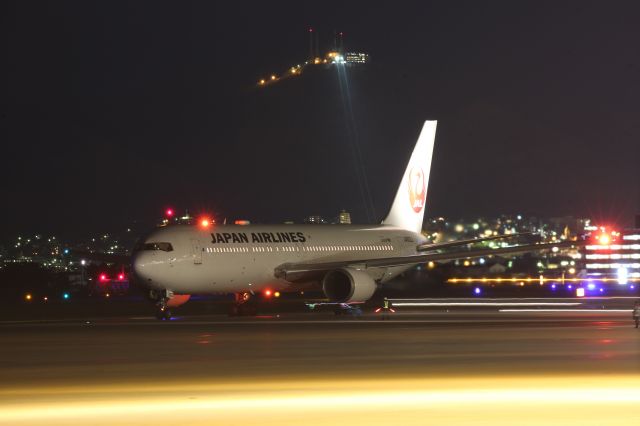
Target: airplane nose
(142,268)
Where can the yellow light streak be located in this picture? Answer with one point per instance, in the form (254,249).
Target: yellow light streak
(575,399)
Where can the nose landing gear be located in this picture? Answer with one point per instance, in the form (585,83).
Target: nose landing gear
(161,299)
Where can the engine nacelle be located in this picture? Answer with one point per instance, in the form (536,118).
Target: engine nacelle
(348,285)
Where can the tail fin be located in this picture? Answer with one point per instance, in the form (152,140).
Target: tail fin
(408,206)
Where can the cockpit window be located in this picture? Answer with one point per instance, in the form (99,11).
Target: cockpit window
(154,247)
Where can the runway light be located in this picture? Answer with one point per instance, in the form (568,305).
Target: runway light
(580,292)
(553,286)
(477,290)
(45,298)
(65,296)
(591,286)
(27,297)
(276,294)
(570,287)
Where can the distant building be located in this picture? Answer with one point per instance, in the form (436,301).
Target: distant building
(617,258)
(356,58)
(344,217)
(315,220)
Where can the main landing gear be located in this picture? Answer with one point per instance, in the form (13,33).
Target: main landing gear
(241,306)
(161,299)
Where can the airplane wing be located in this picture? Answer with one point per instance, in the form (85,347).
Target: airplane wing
(458,243)
(293,272)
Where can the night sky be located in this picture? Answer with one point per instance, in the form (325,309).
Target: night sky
(111,111)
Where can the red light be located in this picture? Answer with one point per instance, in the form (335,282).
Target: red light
(169,212)
(121,277)
(604,239)
(267,293)
(104,278)
(205,222)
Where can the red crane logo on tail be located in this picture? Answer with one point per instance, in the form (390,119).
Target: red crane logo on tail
(417,189)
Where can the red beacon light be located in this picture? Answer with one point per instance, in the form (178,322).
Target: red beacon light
(121,277)
(169,212)
(205,222)
(103,278)
(605,237)
(267,293)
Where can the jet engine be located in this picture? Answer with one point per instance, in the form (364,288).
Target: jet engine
(348,285)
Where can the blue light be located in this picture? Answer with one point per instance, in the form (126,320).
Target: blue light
(602,290)
(65,295)
(553,286)
(477,290)
(632,286)
(591,286)
(570,287)
(66,251)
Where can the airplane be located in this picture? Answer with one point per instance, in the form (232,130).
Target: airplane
(348,262)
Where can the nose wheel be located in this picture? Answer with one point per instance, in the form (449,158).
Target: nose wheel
(162,312)
(161,299)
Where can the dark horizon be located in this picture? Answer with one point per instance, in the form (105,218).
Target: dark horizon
(114,111)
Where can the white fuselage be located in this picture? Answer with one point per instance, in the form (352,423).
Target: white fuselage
(235,259)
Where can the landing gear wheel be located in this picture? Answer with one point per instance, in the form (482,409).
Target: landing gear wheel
(242,306)
(163,314)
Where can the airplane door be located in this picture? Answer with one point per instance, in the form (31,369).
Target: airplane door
(197,251)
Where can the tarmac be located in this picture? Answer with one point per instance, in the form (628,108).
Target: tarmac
(519,364)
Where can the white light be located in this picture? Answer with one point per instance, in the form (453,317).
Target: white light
(623,275)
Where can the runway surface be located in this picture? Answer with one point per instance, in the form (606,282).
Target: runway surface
(462,367)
